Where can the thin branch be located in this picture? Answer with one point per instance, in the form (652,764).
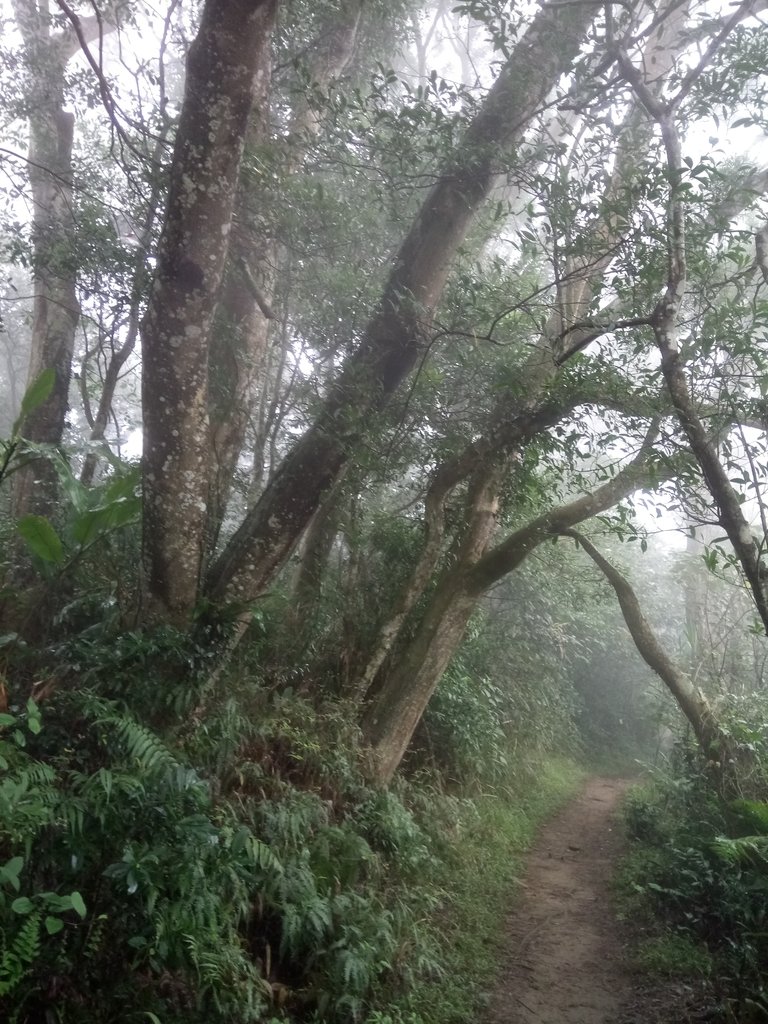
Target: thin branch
(745,10)
(108,101)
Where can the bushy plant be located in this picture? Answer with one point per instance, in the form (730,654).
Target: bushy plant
(338,921)
(462,734)
(674,956)
(132,885)
(703,869)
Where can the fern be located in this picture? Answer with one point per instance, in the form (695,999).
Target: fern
(745,850)
(22,952)
(754,813)
(141,744)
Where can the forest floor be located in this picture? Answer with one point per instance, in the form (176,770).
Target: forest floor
(565,958)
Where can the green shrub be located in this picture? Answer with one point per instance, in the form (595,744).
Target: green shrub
(461,735)
(166,877)
(700,869)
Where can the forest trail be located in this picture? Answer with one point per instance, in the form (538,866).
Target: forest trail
(563,961)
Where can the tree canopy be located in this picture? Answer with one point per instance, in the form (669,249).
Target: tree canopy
(327,328)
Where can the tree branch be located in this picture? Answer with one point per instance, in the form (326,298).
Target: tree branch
(641,472)
(693,704)
(748,549)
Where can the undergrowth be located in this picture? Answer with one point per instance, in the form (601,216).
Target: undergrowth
(697,875)
(478,876)
(239,868)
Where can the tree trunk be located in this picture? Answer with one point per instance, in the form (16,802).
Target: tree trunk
(317,547)
(56,309)
(225,67)
(398,702)
(240,339)
(715,745)
(506,436)
(241,333)
(397,705)
(394,338)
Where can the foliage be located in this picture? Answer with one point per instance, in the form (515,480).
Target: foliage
(183,840)
(674,956)
(700,868)
(12,451)
(240,865)
(462,733)
(481,869)
(165,875)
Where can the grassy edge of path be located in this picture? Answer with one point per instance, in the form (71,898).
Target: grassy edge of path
(479,884)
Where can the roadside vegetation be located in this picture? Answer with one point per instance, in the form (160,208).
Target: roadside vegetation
(383,406)
(248,869)
(697,874)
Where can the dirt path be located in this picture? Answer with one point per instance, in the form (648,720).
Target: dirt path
(563,962)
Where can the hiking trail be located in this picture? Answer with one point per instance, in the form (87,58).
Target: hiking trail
(564,960)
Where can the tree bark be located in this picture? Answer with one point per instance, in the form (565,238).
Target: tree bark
(714,743)
(240,339)
(397,703)
(317,547)
(395,334)
(56,308)
(509,433)
(224,69)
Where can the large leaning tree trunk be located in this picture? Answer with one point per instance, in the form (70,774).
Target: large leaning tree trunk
(55,308)
(521,413)
(397,699)
(715,744)
(397,702)
(247,309)
(520,423)
(749,549)
(224,67)
(395,335)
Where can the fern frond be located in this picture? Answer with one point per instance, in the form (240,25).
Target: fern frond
(22,952)
(747,849)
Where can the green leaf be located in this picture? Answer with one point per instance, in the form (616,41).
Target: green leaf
(119,505)
(76,493)
(37,393)
(34,719)
(78,904)
(754,812)
(22,905)
(41,538)
(10,872)
(53,925)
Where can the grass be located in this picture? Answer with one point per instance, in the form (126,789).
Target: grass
(674,956)
(479,885)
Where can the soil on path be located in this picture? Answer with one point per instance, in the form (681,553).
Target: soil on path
(564,957)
